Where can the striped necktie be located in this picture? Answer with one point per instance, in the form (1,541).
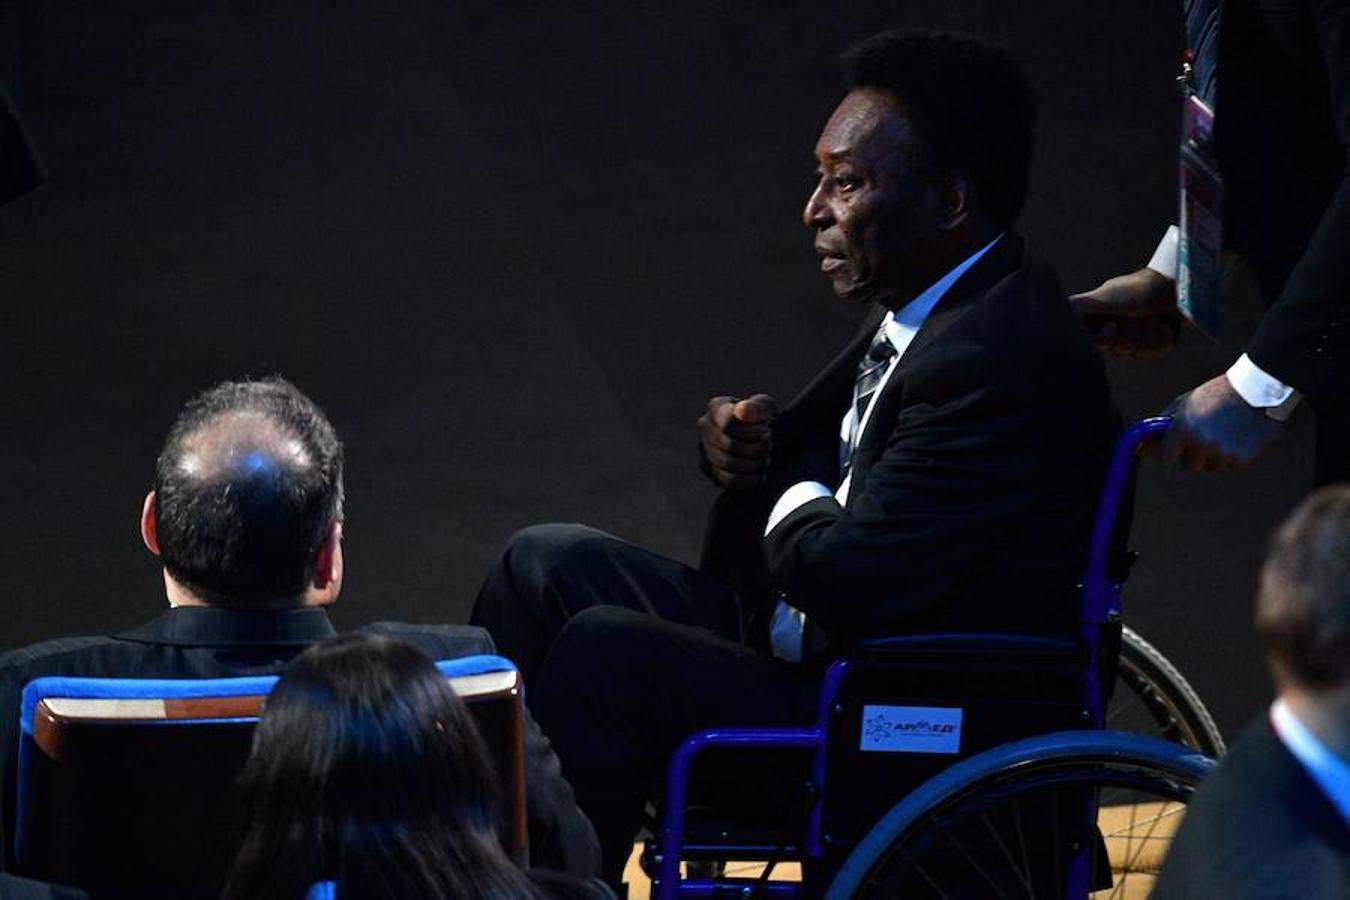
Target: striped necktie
(1202,42)
(871,368)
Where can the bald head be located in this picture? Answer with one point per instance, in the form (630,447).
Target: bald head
(247,489)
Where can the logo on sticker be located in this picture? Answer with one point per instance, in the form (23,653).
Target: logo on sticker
(911,729)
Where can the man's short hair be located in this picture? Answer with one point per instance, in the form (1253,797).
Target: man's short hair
(248,486)
(971,103)
(1303,609)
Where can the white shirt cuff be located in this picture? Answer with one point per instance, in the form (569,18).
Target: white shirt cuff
(1164,260)
(799,494)
(1261,389)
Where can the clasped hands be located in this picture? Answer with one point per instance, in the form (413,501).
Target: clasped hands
(1213,428)
(737,439)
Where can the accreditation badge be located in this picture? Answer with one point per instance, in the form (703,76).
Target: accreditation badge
(1200,248)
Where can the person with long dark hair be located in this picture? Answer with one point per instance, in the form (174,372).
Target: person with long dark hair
(367,771)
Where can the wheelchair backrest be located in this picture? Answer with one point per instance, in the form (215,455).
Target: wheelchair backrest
(907,708)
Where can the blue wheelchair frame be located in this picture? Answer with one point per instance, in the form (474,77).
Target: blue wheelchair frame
(1100,599)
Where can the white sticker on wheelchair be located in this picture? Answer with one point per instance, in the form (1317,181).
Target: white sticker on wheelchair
(911,729)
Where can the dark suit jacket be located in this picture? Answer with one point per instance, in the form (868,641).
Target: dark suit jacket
(974,484)
(1259,827)
(217,643)
(19,169)
(1282,133)
(12,888)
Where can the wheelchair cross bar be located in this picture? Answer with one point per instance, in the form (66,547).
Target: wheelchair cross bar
(748,887)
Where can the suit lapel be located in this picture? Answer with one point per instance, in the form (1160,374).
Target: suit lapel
(827,396)
(1002,259)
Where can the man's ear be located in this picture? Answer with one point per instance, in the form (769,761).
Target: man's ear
(150,524)
(328,561)
(957,196)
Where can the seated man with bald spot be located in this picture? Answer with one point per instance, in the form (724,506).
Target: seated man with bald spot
(940,475)
(246,518)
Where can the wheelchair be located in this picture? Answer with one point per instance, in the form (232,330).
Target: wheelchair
(994,746)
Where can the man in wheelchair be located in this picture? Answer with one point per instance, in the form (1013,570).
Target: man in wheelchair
(939,475)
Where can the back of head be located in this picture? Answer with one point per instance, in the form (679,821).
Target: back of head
(972,103)
(367,770)
(247,487)
(1303,609)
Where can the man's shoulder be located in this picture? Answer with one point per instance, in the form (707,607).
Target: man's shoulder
(1257,827)
(437,641)
(1262,791)
(55,654)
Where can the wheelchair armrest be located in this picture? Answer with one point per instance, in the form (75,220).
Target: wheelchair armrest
(966,642)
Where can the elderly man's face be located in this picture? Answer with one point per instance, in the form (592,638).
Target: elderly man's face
(876,208)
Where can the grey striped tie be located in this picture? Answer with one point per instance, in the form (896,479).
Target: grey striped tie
(870,370)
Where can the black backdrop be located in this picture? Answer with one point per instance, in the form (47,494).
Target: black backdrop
(512,248)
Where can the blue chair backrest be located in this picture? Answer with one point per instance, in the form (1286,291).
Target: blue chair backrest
(125,784)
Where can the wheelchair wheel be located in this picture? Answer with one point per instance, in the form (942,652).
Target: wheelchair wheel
(1152,698)
(1005,822)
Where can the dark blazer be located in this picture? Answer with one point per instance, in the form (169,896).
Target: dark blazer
(218,643)
(973,485)
(19,168)
(1282,133)
(1259,827)
(12,888)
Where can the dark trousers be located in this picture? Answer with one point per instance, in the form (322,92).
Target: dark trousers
(624,654)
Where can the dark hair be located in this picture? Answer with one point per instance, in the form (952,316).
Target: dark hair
(1303,609)
(368,771)
(248,486)
(970,102)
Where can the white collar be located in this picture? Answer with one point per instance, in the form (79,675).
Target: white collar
(902,324)
(1331,773)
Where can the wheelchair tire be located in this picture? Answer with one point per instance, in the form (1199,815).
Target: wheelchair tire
(971,793)
(1151,697)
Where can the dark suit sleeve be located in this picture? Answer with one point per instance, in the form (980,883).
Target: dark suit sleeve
(953,476)
(19,169)
(561,837)
(1304,339)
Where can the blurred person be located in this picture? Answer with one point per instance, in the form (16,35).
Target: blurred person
(1273,819)
(246,518)
(368,772)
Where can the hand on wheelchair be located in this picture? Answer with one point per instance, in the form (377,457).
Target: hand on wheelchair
(1214,429)
(737,440)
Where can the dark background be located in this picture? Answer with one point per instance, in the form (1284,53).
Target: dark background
(512,248)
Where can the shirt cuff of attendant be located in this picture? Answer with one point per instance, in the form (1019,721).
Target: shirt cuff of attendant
(1164,260)
(800,494)
(1261,389)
